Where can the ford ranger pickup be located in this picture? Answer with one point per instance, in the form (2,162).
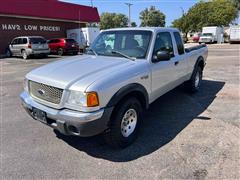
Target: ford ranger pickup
(106,90)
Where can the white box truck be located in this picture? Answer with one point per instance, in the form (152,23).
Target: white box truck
(212,34)
(84,36)
(234,34)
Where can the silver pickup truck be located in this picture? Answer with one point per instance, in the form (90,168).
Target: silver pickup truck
(107,89)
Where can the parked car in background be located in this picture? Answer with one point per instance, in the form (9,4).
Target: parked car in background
(234,34)
(26,46)
(211,34)
(106,90)
(196,37)
(62,46)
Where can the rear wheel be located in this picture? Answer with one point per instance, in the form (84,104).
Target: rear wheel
(60,51)
(125,124)
(194,83)
(24,54)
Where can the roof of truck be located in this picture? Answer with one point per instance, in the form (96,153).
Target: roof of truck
(154,29)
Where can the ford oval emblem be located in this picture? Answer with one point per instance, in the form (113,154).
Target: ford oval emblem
(41,92)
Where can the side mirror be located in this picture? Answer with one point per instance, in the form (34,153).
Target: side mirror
(161,56)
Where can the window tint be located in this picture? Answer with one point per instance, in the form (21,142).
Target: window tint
(20,41)
(163,43)
(37,40)
(179,42)
(24,41)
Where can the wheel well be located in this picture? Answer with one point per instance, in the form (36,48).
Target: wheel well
(137,94)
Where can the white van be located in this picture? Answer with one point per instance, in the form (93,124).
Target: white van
(212,34)
(83,36)
(234,34)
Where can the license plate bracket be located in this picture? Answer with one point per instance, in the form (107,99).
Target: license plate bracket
(39,115)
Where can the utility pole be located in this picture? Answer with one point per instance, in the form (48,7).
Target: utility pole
(91,3)
(129,13)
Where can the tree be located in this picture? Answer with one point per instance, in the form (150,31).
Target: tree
(210,13)
(113,20)
(133,24)
(237,4)
(152,17)
(182,24)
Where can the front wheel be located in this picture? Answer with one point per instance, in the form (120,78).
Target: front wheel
(194,83)
(124,124)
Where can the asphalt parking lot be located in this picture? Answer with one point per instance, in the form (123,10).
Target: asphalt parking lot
(184,136)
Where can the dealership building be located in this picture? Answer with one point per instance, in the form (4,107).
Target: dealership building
(47,18)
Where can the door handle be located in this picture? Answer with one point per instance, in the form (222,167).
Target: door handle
(176,63)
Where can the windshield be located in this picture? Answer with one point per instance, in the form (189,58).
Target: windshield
(207,34)
(132,43)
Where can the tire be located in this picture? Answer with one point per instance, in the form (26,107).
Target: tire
(8,53)
(45,56)
(194,83)
(75,53)
(60,51)
(125,123)
(24,55)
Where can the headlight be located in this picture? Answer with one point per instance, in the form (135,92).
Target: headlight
(25,84)
(77,98)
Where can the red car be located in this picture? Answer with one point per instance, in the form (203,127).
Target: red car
(196,37)
(62,46)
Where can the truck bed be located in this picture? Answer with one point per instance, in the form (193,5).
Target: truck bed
(193,48)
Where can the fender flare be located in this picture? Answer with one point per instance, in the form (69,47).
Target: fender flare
(200,61)
(127,90)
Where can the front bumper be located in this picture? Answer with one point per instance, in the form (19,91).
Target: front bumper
(205,40)
(70,122)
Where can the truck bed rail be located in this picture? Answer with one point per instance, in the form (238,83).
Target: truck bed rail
(187,50)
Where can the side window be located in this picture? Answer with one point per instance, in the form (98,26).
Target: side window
(179,42)
(24,40)
(15,41)
(20,41)
(163,43)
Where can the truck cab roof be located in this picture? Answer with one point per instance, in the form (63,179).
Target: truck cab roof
(153,29)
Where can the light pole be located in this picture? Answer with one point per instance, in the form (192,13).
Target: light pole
(129,13)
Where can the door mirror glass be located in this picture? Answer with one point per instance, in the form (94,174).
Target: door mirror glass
(161,56)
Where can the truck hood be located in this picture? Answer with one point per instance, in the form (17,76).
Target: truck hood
(83,69)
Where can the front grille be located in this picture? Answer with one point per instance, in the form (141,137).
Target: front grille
(45,92)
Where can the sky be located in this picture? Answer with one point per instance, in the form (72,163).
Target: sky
(171,8)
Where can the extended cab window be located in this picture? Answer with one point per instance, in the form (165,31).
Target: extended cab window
(163,43)
(179,42)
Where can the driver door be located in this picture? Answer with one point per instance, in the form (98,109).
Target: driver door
(164,73)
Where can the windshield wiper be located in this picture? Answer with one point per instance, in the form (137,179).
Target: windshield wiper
(94,52)
(123,55)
